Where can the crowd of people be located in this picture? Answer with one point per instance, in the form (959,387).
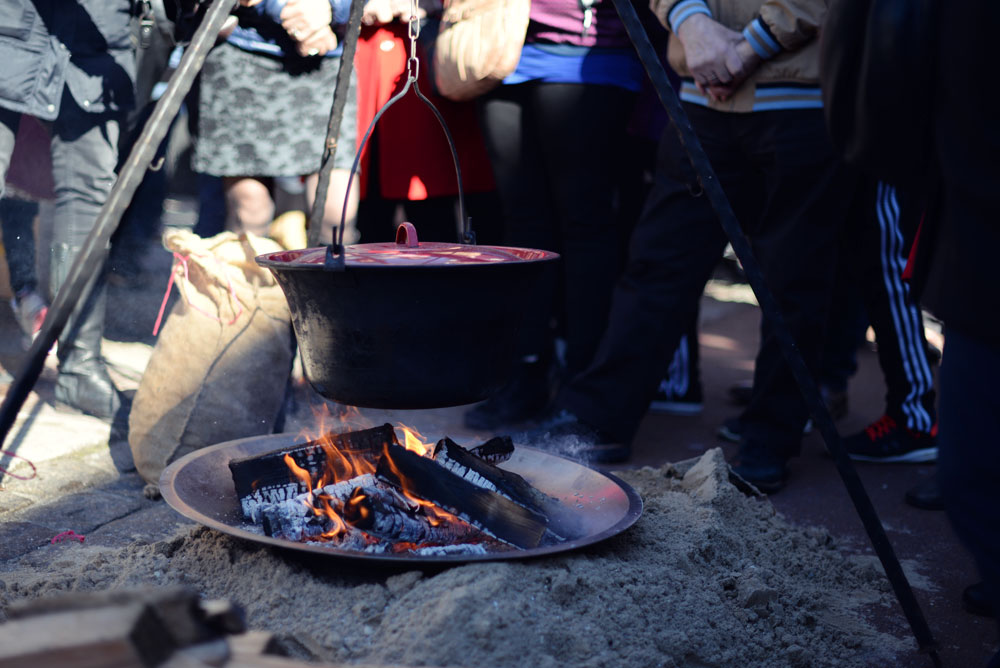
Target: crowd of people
(568,155)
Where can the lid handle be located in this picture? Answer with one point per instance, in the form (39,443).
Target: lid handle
(406,235)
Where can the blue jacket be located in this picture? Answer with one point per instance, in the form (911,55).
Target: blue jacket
(260,28)
(82,45)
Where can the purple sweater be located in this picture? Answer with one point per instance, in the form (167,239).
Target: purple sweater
(561,22)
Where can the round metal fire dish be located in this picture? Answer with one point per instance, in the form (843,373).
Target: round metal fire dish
(410,324)
(200,487)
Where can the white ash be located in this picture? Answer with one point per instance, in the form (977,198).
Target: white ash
(465,472)
(342,490)
(251,503)
(446,550)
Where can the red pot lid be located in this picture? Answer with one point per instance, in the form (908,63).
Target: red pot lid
(408,251)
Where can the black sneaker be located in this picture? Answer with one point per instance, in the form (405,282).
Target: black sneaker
(564,433)
(767,475)
(925,495)
(885,441)
(731,429)
(670,402)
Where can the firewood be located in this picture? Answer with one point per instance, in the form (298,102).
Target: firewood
(108,637)
(562,523)
(267,478)
(484,508)
(389,515)
(497,450)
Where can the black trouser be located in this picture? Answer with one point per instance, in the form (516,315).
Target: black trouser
(789,192)
(555,150)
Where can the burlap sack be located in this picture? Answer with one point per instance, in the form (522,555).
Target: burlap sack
(220,363)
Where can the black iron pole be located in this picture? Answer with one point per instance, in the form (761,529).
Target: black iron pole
(769,306)
(91,258)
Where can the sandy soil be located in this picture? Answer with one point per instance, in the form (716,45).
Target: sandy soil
(707,577)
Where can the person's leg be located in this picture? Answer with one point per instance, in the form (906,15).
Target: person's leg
(248,204)
(581,178)
(507,115)
(680,391)
(333,210)
(84,155)
(9,122)
(674,248)
(795,243)
(969,461)
(906,433)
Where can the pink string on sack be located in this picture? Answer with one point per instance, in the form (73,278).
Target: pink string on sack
(183,259)
(66,535)
(5,472)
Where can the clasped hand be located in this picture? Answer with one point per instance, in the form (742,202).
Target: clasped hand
(719,59)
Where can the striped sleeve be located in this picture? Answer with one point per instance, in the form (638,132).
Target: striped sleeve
(762,39)
(683,10)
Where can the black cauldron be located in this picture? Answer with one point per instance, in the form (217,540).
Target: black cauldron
(408,325)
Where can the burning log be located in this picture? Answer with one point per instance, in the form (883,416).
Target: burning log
(390,515)
(481,507)
(467,464)
(266,479)
(497,450)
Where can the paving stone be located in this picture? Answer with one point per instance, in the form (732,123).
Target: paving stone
(59,477)
(10,502)
(128,484)
(156,522)
(81,512)
(19,538)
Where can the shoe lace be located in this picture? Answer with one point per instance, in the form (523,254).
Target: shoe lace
(880,428)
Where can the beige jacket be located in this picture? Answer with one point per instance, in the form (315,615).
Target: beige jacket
(784,32)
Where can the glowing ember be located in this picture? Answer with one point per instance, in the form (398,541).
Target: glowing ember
(367,490)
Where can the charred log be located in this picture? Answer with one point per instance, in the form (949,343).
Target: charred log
(497,450)
(389,515)
(267,479)
(562,523)
(481,507)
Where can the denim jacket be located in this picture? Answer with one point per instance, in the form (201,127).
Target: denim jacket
(82,45)
(260,30)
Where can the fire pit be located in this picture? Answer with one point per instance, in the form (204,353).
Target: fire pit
(200,486)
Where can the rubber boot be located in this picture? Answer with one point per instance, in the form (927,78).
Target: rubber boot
(83,382)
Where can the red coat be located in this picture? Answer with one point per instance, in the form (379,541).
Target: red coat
(414,159)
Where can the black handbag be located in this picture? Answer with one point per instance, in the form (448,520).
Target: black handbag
(876,68)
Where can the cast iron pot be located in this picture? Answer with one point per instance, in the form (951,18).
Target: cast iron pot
(408,325)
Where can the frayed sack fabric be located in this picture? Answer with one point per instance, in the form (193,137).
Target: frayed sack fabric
(478,45)
(219,366)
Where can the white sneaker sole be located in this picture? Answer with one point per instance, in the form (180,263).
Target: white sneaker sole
(675,407)
(921,456)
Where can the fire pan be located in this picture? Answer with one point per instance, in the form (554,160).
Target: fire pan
(200,487)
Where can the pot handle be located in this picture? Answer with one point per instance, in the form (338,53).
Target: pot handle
(413,70)
(406,235)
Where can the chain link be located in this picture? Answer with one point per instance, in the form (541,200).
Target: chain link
(413,64)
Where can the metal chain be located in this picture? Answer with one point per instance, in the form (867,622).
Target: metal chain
(412,63)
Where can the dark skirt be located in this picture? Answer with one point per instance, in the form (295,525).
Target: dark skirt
(266,116)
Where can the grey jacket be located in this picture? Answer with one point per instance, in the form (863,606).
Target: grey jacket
(84,46)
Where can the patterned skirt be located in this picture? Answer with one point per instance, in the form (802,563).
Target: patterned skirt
(264,116)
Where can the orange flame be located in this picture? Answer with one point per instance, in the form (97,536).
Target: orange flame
(341,466)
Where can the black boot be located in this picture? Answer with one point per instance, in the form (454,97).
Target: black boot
(83,382)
